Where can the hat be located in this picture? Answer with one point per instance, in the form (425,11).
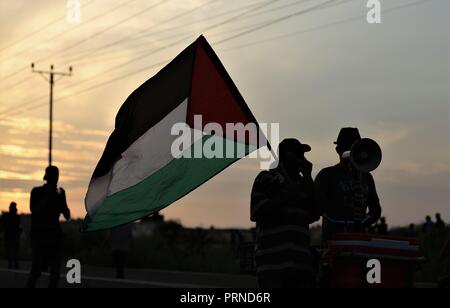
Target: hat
(348,136)
(50,170)
(293,145)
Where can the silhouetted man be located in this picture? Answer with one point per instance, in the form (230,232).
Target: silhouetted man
(382,227)
(47,203)
(11,229)
(428,225)
(341,197)
(412,231)
(444,259)
(439,225)
(120,242)
(282,205)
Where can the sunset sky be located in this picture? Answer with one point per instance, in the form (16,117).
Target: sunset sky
(313,73)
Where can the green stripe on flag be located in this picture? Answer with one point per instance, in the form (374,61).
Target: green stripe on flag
(162,188)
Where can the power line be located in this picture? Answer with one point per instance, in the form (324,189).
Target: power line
(184,39)
(95,49)
(228,31)
(163,62)
(161,48)
(116,24)
(336,23)
(180,34)
(153,51)
(146,43)
(273,22)
(98,33)
(90,88)
(120,55)
(10,87)
(20,106)
(146,53)
(258,24)
(92,19)
(254,6)
(281,7)
(78,43)
(143,11)
(51,23)
(116,42)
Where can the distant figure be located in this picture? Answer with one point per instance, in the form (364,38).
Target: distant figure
(236,240)
(412,232)
(120,242)
(428,226)
(344,193)
(283,206)
(444,259)
(47,203)
(439,225)
(11,229)
(382,227)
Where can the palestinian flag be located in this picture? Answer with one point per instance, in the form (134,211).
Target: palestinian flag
(138,174)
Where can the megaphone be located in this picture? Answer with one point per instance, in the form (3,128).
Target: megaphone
(365,155)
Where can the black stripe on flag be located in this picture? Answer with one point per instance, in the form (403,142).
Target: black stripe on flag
(147,106)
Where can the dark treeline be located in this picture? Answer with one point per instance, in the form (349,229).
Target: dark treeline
(156,245)
(159,244)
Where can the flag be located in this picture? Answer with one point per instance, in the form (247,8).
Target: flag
(138,174)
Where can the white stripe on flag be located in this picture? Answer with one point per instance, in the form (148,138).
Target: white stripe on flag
(145,156)
(149,153)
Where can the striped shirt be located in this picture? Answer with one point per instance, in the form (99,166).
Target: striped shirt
(282,211)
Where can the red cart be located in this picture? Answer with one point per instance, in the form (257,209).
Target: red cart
(345,259)
(347,256)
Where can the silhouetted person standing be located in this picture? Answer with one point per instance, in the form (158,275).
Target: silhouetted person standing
(120,242)
(412,231)
(11,229)
(47,203)
(439,225)
(428,226)
(283,206)
(338,195)
(444,259)
(382,227)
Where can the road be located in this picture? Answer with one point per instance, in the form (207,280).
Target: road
(101,277)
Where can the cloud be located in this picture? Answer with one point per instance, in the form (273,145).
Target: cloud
(7,175)
(388,134)
(83,144)
(21,151)
(414,173)
(32,125)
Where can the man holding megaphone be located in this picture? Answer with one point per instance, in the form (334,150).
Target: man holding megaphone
(346,192)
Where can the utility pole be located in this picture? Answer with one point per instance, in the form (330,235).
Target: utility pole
(51,73)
